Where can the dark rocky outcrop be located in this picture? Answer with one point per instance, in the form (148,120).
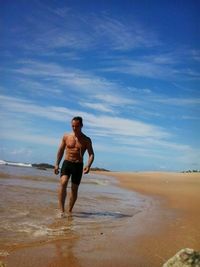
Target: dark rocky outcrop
(42,166)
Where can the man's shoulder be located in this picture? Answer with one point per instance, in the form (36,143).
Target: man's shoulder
(86,138)
(66,135)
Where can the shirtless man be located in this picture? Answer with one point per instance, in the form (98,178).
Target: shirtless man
(74,144)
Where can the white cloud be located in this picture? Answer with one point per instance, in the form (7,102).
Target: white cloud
(114,125)
(149,143)
(101,94)
(27,107)
(62,12)
(178,101)
(126,127)
(39,88)
(170,66)
(97,106)
(123,36)
(190,117)
(90,86)
(67,28)
(114,99)
(21,151)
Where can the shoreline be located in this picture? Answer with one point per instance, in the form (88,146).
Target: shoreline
(149,238)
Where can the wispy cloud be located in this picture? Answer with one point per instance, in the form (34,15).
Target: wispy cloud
(53,29)
(164,66)
(40,78)
(178,101)
(164,98)
(152,143)
(120,35)
(15,153)
(37,87)
(18,105)
(106,124)
(55,78)
(97,106)
(114,100)
(21,151)
(133,137)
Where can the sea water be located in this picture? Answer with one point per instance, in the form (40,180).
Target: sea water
(29,206)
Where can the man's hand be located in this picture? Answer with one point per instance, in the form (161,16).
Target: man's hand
(56,169)
(86,169)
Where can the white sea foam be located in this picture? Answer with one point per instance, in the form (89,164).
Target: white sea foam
(96,182)
(104,183)
(45,231)
(4,253)
(20,164)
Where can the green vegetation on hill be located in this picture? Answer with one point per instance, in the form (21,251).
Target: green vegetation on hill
(43,166)
(190,171)
(99,169)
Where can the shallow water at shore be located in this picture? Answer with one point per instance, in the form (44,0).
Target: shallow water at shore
(29,206)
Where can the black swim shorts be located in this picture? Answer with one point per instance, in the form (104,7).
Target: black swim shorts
(73,169)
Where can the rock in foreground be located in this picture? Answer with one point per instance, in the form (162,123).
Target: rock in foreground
(184,258)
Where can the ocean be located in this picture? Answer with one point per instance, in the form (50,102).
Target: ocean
(29,206)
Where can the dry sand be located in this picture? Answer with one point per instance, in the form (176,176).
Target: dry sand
(171,224)
(180,193)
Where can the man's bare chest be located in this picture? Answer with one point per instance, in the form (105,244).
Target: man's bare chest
(73,142)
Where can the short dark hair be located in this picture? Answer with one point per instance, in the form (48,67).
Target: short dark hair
(77,118)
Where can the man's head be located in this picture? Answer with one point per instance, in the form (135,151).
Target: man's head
(77,124)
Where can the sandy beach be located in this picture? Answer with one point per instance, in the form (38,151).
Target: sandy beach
(167,222)
(179,194)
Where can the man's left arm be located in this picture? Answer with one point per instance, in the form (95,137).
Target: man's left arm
(90,157)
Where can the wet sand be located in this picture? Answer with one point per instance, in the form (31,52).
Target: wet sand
(148,239)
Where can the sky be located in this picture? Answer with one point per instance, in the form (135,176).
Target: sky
(130,68)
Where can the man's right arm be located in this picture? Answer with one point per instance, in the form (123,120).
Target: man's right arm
(60,153)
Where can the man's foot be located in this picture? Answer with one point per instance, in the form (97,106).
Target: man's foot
(69,213)
(62,214)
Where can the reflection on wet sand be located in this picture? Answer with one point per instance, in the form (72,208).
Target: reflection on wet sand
(29,207)
(114,215)
(30,224)
(65,251)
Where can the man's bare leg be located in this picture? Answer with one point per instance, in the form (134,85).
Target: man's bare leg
(62,193)
(73,196)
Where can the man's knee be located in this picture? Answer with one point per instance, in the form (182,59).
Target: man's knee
(64,180)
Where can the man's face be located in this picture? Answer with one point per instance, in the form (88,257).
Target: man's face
(76,126)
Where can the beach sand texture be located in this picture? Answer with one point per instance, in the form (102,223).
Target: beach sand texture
(179,194)
(111,224)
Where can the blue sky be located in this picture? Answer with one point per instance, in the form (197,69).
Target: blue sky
(129,68)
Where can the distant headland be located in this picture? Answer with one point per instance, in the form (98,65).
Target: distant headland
(44,166)
(41,166)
